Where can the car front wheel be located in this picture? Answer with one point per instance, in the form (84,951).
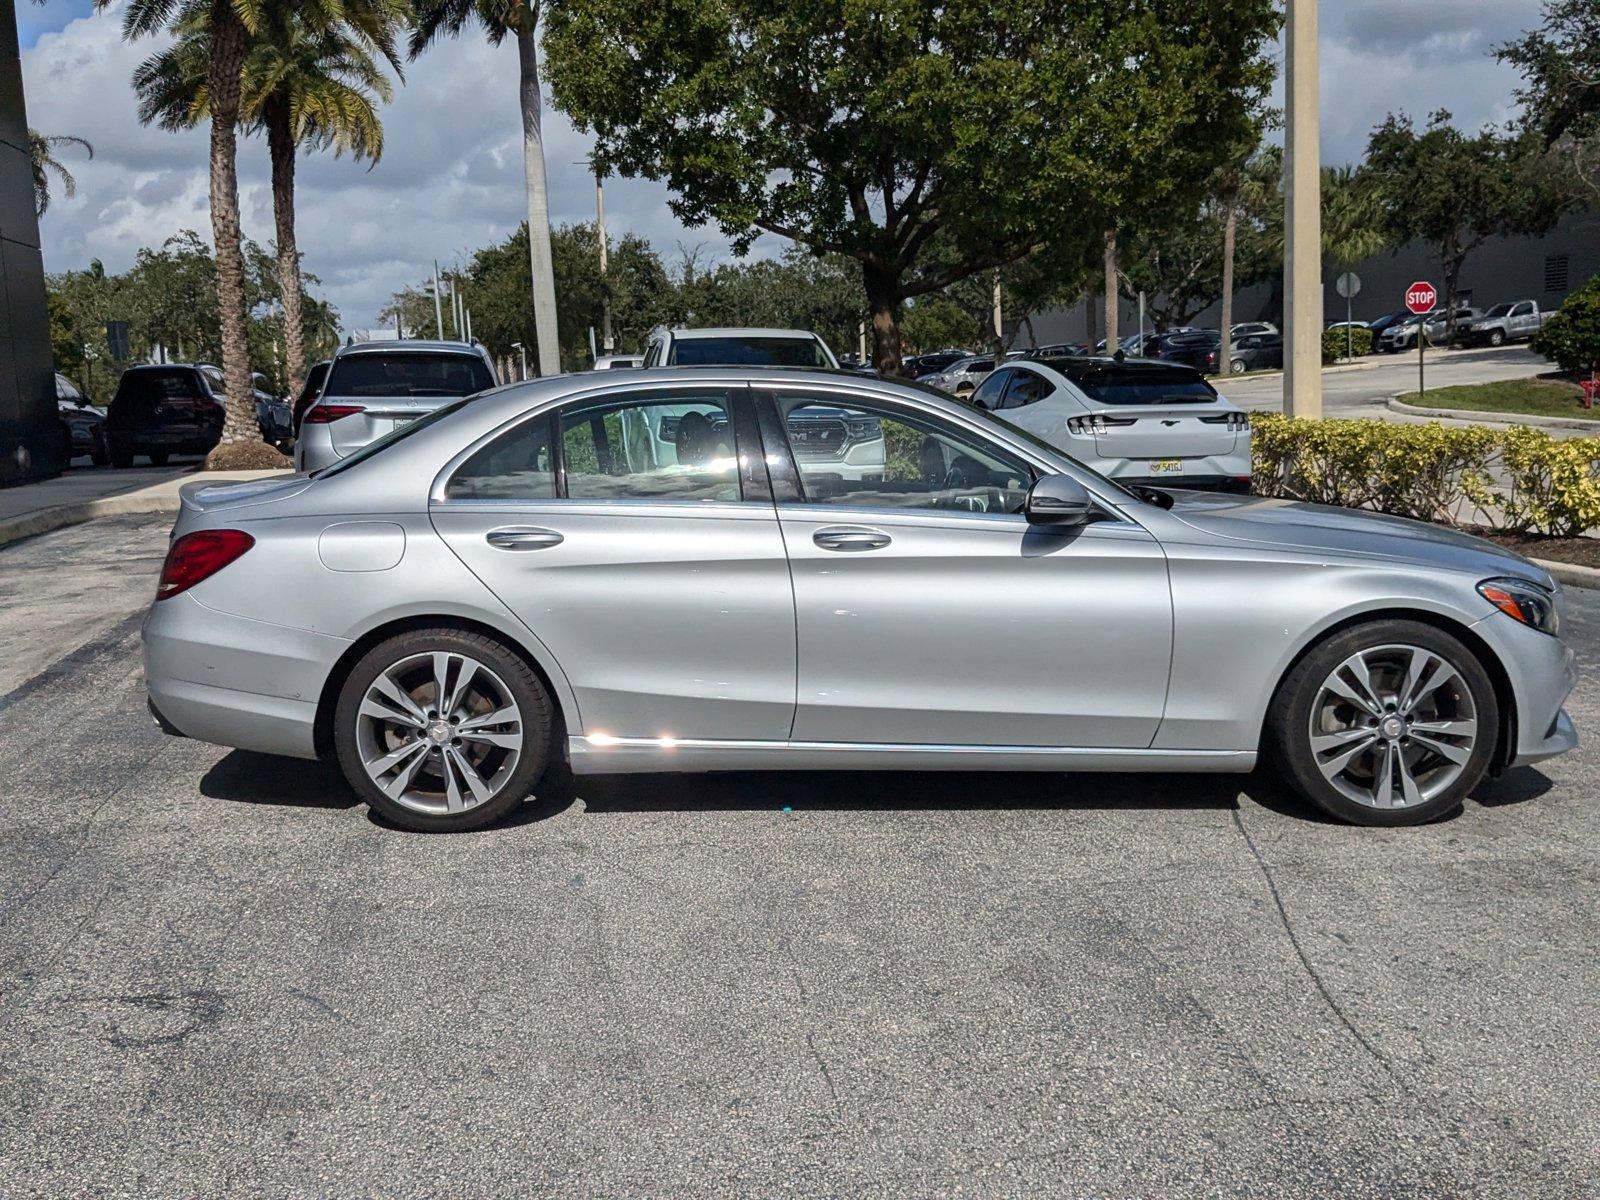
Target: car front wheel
(1390,723)
(1497,337)
(442,730)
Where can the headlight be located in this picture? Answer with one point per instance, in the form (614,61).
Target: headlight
(1524,601)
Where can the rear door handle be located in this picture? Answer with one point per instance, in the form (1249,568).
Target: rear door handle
(850,537)
(523,537)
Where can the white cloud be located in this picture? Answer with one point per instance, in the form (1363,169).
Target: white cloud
(451,179)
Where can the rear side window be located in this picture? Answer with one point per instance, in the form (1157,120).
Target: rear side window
(748,352)
(1027,387)
(651,447)
(515,466)
(408,373)
(1133,387)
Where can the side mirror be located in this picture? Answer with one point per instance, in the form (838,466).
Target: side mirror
(1058,500)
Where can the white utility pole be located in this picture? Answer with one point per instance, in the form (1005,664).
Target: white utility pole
(522,351)
(999,328)
(1302,265)
(438,304)
(606,340)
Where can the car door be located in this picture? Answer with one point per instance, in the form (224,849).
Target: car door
(929,612)
(1523,323)
(634,535)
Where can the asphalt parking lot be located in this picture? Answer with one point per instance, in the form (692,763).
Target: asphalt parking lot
(220,976)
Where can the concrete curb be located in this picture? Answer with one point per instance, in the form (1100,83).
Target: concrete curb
(1571,574)
(1395,404)
(157,498)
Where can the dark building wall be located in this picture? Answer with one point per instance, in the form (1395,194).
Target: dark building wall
(1545,269)
(31,444)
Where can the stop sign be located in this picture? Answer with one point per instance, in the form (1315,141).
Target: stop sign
(1422,297)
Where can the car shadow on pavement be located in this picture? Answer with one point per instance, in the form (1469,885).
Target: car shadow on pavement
(887,791)
(245,777)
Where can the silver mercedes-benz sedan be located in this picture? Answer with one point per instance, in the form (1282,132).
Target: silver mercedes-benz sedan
(671,570)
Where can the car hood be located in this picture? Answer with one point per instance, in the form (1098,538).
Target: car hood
(1348,532)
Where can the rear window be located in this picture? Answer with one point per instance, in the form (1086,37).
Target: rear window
(140,392)
(1132,386)
(748,352)
(408,373)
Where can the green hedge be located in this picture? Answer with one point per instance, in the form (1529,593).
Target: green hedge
(1571,338)
(1336,341)
(1516,478)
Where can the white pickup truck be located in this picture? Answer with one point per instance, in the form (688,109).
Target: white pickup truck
(1514,322)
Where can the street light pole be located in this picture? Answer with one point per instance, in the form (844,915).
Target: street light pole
(1302,267)
(606,339)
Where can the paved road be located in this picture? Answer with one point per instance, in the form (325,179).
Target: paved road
(218,976)
(1361,393)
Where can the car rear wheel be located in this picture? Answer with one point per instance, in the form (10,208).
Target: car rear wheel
(159,457)
(442,730)
(1390,723)
(1236,367)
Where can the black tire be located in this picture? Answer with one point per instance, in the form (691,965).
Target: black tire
(1497,337)
(120,455)
(159,457)
(1237,367)
(1288,726)
(98,453)
(526,689)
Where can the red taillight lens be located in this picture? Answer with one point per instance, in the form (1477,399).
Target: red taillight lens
(326,414)
(197,556)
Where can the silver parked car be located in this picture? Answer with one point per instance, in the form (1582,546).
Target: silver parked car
(374,388)
(962,377)
(650,571)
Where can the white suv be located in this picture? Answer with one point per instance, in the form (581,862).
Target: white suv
(737,348)
(1138,421)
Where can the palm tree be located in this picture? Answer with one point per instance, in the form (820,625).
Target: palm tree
(230,24)
(520,19)
(41,149)
(305,86)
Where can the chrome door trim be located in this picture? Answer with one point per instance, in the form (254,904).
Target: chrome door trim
(599,753)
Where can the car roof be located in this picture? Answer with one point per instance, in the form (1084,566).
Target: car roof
(408,346)
(741,331)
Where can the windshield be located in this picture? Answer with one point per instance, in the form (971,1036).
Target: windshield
(1499,310)
(398,434)
(748,352)
(408,373)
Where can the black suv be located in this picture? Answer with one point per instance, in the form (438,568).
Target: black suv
(162,411)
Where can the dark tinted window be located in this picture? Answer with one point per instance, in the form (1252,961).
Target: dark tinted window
(141,392)
(1133,384)
(408,373)
(514,466)
(748,352)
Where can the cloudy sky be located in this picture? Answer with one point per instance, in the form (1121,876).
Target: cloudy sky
(451,176)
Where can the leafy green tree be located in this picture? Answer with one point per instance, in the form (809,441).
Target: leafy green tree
(1455,191)
(517,19)
(1560,65)
(230,24)
(935,322)
(798,290)
(867,131)
(1571,338)
(305,82)
(42,154)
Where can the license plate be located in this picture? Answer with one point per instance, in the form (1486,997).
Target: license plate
(1166,466)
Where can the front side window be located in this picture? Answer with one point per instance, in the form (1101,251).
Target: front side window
(407,373)
(675,447)
(866,455)
(987,393)
(1522,310)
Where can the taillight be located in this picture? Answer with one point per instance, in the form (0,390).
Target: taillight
(1238,422)
(1097,423)
(326,414)
(200,555)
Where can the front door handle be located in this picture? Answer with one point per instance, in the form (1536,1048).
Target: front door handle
(850,537)
(523,537)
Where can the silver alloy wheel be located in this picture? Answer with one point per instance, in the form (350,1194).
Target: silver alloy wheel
(1393,726)
(439,733)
